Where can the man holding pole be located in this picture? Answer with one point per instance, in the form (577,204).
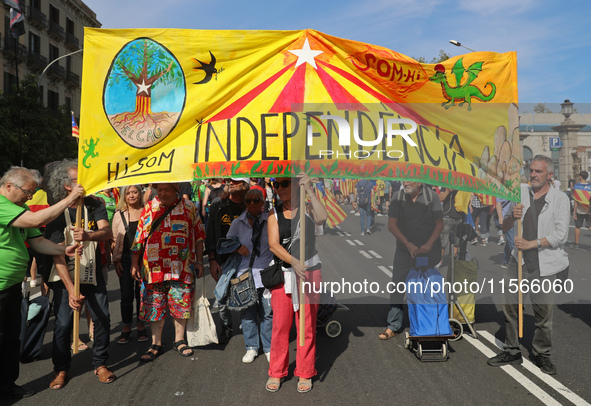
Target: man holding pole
(17,225)
(65,300)
(545,231)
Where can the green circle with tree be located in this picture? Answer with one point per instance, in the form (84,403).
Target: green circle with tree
(145,93)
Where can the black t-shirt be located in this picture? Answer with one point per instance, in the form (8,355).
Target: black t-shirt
(222,213)
(449,206)
(416,220)
(287,229)
(186,189)
(96,211)
(530,233)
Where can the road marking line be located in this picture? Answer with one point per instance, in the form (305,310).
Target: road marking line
(391,267)
(359,242)
(365,254)
(375,254)
(337,227)
(350,242)
(514,373)
(548,380)
(385,270)
(348,234)
(340,234)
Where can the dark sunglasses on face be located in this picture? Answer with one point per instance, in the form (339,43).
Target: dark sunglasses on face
(284,184)
(251,201)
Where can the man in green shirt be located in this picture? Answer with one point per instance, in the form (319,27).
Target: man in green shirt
(17,225)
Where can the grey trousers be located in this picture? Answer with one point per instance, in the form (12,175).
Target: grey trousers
(543,308)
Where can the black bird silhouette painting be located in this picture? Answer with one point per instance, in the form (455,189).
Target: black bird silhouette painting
(208,68)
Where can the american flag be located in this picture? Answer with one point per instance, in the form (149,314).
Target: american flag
(75,131)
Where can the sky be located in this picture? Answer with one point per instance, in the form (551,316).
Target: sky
(552,38)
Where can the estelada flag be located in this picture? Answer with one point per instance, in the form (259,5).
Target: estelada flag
(486,199)
(173,105)
(38,201)
(336,215)
(581,193)
(17,20)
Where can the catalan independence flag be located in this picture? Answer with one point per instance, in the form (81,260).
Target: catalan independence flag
(581,193)
(75,131)
(486,199)
(17,20)
(336,215)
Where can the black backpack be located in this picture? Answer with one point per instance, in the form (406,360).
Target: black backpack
(213,193)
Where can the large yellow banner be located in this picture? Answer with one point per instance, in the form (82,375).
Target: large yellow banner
(175,105)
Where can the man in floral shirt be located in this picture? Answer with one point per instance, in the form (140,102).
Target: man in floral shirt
(172,258)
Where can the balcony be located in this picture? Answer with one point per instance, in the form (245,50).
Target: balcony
(36,18)
(72,42)
(8,49)
(72,79)
(56,31)
(36,61)
(56,71)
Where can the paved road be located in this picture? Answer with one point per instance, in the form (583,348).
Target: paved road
(354,367)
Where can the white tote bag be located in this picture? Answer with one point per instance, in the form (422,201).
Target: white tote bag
(200,327)
(88,258)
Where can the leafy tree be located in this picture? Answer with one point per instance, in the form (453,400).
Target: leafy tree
(542,108)
(443,56)
(46,133)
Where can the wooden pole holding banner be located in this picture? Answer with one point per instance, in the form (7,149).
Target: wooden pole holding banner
(76,331)
(302,264)
(519,277)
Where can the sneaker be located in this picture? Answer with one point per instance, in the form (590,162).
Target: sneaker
(505,358)
(576,246)
(34,283)
(545,365)
(504,266)
(368,232)
(352,212)
(363,233)
(474,241)
(501,241)
(484,242)
(379,214)
(250,356)
(268,355)
(357,214)
(17,392)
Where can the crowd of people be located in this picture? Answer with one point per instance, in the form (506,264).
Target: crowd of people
(157,236)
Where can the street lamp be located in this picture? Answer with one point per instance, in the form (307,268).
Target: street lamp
(567,109)
(54,61)
(459,44)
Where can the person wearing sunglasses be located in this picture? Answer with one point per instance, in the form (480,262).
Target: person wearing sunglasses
(284,242)
(250,228)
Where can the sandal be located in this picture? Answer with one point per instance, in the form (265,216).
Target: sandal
(276,382)
(81,345)
(59,380)
(142,335)
(104,375)
(304,385)
(124,337)
(387,334)
(153,352)
(181,346)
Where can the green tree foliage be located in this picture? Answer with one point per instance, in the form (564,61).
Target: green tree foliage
(46,134)
(542,108)
(443,56)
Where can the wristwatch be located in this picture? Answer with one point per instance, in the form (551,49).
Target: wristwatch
(539,243)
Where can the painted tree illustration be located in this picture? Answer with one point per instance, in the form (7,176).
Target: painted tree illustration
(143,66)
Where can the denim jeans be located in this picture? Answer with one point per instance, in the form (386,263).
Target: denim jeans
(130,289)
(250,328)
(509,245)
(97,302)
(10,331)
(365,212)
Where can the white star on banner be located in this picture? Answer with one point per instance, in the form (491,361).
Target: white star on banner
(143,87)
(306,55)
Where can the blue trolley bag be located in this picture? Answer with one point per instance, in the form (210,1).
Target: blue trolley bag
(35,315)
(427,303)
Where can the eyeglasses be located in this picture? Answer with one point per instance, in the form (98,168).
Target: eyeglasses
(284,184)
(251,201)
(27,192)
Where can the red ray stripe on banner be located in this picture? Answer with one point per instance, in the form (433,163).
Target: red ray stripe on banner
(293,92)
(242,102)
(337,92)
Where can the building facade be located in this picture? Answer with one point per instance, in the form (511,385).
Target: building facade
(565,137)
(54,28)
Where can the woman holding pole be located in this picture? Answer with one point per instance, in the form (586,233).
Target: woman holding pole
(284,225)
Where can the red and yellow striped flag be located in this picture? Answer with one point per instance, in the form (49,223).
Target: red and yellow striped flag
(486,199)
(336,215)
